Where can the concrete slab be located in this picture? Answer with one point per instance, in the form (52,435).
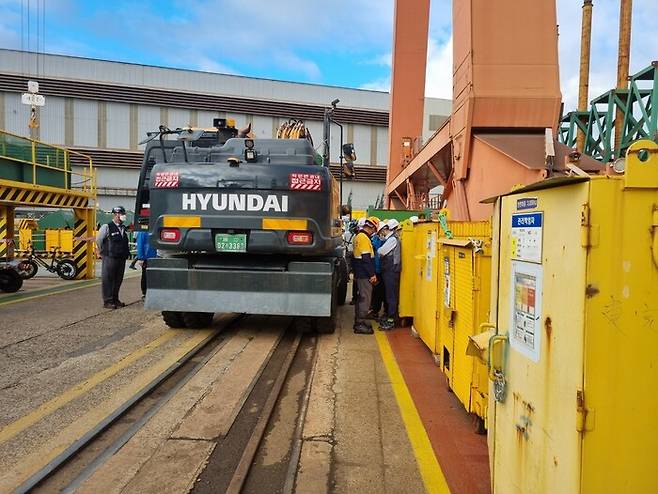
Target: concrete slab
(173,469)
(354,437)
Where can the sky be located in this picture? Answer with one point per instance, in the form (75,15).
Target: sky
(337,42)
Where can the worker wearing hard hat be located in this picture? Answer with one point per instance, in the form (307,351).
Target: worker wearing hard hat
(390,258)
(378,292)
(364,274)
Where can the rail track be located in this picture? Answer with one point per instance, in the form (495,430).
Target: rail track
(69,470)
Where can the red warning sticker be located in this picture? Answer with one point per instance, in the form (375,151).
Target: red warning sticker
(166,180)
(305,181)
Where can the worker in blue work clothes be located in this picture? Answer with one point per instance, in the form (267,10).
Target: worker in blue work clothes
(378,292)
(391,260)
(144,252)
(364,275)
(113,249)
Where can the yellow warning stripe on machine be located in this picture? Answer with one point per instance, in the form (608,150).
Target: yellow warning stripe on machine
(181,221)
(284,224)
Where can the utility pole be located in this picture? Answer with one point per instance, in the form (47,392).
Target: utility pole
(585,48)
(623,61)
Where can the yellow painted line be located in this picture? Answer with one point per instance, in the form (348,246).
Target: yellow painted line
(430,470)
(181,221)
(35,461)
(81,388)
(284,224)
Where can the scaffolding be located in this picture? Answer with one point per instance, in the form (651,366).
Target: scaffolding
(35,174)
(635,105)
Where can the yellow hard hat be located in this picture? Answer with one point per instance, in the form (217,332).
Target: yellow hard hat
(374,220)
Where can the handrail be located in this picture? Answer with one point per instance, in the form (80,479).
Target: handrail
(82,181)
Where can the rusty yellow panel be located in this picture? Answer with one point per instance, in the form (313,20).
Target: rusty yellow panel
(578,414)
(66,241)
(541,309)
(52,239)
(24,238)
(446,313)
(480,229)
(181,221)
(481,299)
(462,372)
(621,333)
(409,269)
(425,287)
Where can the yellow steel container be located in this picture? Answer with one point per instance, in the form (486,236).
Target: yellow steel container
(60,239)
(426,283)
(465,269)
(66,241)
(52,239)
(24,238)
(409,269)
(574,362)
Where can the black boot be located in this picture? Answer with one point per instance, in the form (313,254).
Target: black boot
(362,328)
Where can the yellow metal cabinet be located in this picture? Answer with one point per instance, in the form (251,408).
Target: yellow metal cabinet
(425,288)
(24,238)
(465,306)
(575,366)
(409,269)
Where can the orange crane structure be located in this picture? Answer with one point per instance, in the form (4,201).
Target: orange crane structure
(505,110)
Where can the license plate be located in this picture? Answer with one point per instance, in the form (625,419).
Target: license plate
(231,242)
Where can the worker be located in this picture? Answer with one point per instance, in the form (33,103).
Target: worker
(364,275)
(390,255)
(144,252)
(352,228)
(112,247)
(378,292)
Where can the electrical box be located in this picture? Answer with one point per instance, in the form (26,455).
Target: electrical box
(573,364)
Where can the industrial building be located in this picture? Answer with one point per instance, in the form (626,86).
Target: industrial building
(104,109)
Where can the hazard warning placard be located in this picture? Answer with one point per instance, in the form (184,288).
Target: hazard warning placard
(166,180)
(305,181)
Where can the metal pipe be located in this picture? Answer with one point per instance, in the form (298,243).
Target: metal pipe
(625,13)
(585,48)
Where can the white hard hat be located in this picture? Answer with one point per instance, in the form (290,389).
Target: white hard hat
(382,225)
(393,224)
(413,219)
(361,222)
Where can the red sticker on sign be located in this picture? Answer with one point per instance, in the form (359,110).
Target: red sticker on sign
(166,180)
(305,181)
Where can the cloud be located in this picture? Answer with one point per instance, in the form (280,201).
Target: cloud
(383,84)
(438,78)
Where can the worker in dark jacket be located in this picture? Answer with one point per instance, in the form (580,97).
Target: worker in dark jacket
(364,275)
(112,246)
(144,253)
(390,258)
(378,291)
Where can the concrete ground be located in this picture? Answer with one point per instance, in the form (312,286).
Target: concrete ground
(354,439)
(65,362)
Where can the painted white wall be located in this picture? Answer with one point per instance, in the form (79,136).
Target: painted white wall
(16,115)
(148,120)
(361,144)
(118,125)
(52,121)
(85,123)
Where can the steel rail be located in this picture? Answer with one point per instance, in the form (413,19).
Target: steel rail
(102,426)
(244,465)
